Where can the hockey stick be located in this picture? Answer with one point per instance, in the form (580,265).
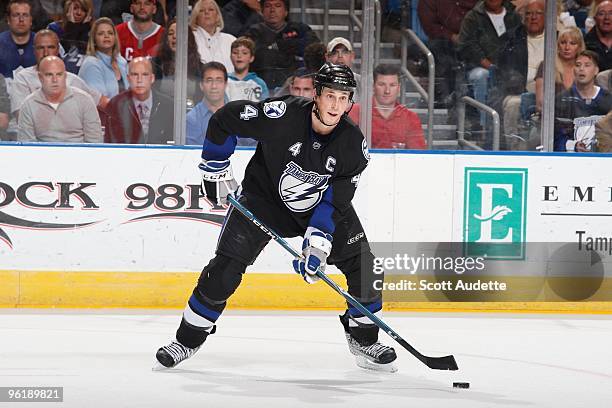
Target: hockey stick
(436,363)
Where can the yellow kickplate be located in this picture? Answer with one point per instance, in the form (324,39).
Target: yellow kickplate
(257,291)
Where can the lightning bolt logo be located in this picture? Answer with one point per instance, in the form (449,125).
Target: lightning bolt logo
(301,190)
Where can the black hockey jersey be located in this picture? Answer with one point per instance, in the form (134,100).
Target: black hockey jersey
(296,178)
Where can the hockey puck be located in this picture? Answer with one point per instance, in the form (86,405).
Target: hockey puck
(461,385)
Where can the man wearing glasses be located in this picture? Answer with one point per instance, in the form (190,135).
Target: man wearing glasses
(213,83)
(17,43)
(340,52)
(599,39)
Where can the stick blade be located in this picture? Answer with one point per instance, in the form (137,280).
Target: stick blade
(442,363)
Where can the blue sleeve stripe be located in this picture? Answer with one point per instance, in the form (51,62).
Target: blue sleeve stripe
(372,307)
(202,310)
(322,215)
(212,151)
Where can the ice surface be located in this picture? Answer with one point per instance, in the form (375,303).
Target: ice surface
(300,359)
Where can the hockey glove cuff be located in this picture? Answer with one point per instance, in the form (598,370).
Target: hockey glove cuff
(316,248)
(217,180)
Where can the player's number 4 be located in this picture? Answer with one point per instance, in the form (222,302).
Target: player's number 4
(249,112)
(295,148)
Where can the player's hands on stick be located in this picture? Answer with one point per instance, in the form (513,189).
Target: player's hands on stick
(217,180)
(316,248)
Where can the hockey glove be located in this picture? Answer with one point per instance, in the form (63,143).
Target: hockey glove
(316,248)
(217,180)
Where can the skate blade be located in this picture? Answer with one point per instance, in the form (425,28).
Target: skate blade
(369,365)
(159,367)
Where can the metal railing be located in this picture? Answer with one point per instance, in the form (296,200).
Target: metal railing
(353,22)
(461,122)
(377,43)
(408,34)
(325,22)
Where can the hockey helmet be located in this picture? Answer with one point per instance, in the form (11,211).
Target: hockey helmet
(338,77)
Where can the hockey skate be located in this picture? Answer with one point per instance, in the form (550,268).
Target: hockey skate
(376,356)
(172,354)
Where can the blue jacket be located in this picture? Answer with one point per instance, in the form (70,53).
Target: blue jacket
(197,124)
(98,73)
(9,56)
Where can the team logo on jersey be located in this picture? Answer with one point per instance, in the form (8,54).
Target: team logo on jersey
(364,149)
(316,145)
(301,190)
(274,109)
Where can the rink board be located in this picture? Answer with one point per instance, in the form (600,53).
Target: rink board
(124,226)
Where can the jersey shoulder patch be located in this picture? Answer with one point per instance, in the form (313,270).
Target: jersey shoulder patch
(274,109)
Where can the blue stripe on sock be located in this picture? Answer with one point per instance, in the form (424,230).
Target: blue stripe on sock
(202,310)
(372,307)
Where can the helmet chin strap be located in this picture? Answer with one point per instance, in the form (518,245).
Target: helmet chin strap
(318,116)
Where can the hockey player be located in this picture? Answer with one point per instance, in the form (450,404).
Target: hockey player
(300,182)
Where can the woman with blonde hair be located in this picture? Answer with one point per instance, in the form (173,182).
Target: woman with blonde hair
(104,68)
(569,44)
(207,23)
(73,32)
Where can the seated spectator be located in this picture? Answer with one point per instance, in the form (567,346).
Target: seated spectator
(17,44)
(40,18)
(140,114)
(393,125)
(5,108)
(579,108)
(140,37)
(104,69)
(340,51)
(590,20)
(279,44)
(302,84)
(207,24)
(243,84)
(517,68)
(73,32)
(214,81)
(569,45)
(441,21)
(482,37)
(603,134)
(599,39)
(27,80)
(239,15)
(120,11)
(163,66)
(57,112)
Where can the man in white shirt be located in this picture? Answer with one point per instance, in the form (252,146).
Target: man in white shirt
(27,80)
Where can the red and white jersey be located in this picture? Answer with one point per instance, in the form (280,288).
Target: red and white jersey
(134,45)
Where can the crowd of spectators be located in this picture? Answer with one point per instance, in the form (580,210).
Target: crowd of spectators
(120,56)
(493,51)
